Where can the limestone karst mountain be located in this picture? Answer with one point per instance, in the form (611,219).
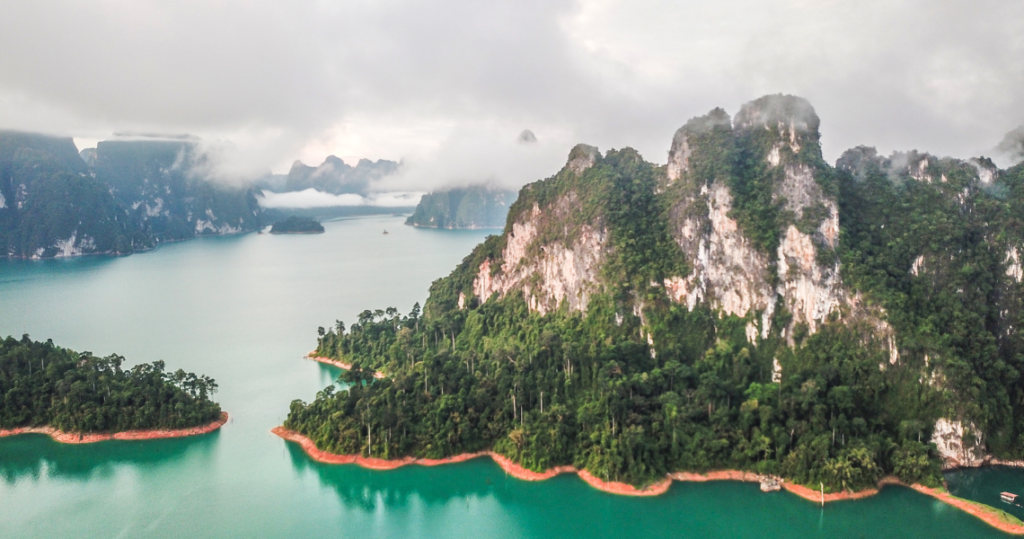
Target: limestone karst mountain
(337,177)
(164,183)
(745,305)
(121,197)
(478,206)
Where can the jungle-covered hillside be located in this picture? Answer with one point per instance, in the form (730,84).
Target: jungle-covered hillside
(747,306)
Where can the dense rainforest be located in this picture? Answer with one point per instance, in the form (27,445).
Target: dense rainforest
(637,319)
(43,384)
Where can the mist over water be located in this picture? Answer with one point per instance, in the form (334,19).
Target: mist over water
(244,310)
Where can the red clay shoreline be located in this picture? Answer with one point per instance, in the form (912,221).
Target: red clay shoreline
(981,511)
(506,464)
(334,362)
(78,438)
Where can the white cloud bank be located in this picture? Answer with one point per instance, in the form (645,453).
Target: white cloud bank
(311,198)
(436,83)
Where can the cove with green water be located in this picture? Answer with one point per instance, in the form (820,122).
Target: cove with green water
(244,310)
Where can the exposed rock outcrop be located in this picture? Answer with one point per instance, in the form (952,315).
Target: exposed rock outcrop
(809,288)
(548,274)
(811,291)
(581,158)
(730,272)
(1013,267)
(951,440)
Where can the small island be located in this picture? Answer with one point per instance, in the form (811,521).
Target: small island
(80,398)
(297,225)
(473,207)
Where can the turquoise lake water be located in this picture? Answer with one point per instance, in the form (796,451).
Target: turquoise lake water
(244,310)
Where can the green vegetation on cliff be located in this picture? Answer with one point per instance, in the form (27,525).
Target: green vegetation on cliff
(50,206)
(133,195)
(42,384)
(938,252)
(638,383)
(165,186)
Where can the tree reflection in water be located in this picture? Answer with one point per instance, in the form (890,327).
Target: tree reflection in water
(36,456)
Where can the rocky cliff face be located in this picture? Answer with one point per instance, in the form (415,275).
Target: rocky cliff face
(754,212)
(806,265)
(958,445)
(733,274)
(50,206)
(952,232)
(164,184)
(562,268)
(129,196)
(730,273)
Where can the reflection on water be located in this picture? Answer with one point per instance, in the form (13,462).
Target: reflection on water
(370,490)
(244,310)
(476,498)
(14,270)
(329,374)
(37,456)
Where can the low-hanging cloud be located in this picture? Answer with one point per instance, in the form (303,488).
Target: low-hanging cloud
(432,83)
(311,198)
(473,154)
(1011,149)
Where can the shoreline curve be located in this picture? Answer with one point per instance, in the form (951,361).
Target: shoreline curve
(504,462)
(985,513)
(153,434)
(335,363)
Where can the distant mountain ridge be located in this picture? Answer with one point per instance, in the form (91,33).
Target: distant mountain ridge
(476,206)
(337,177)
(157,180)
(129,196)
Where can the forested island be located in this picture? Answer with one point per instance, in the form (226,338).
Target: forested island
(477,206)
(78,394)
(297,225)
(747,306)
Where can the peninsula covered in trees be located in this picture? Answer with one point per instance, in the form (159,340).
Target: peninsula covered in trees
(42,384)
(745,306)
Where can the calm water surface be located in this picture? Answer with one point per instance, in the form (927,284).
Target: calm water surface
(985,484)
(244,310)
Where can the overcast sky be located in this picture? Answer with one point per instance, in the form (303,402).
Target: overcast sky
(448,85)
